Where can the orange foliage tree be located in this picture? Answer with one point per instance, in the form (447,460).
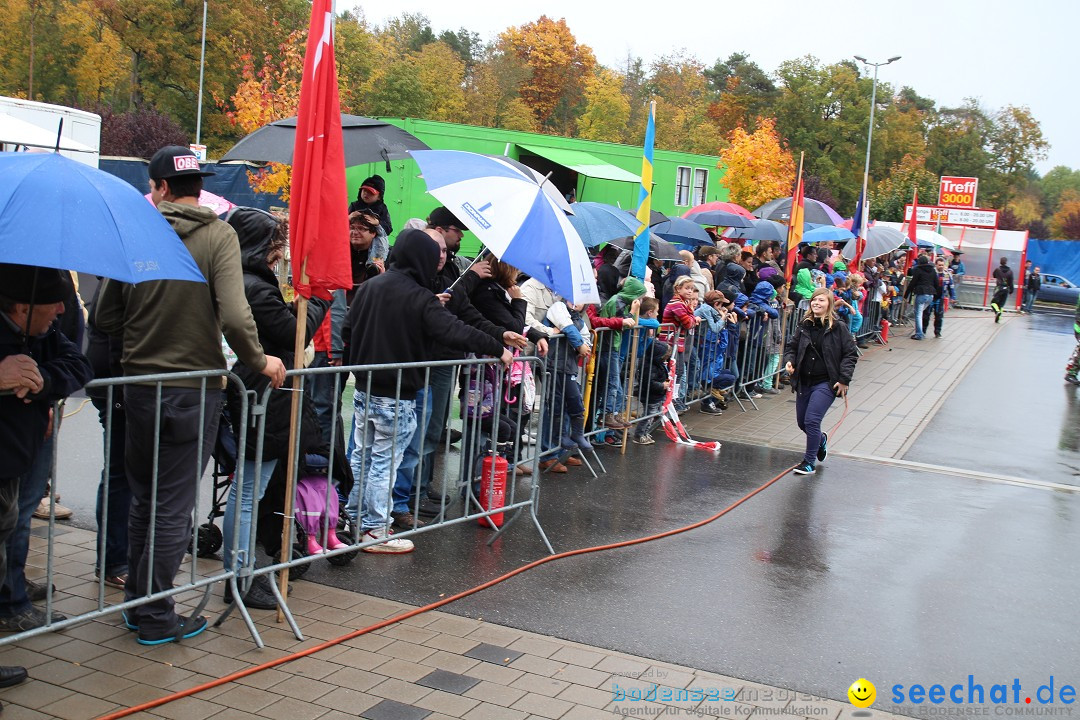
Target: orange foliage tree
(759,168)
(559,67)
(269,92)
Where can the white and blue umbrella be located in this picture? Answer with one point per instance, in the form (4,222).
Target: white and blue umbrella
(58,213)
(513,216)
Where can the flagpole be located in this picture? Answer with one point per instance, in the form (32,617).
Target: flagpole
(299,345)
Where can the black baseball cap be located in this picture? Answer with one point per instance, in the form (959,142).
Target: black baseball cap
(175,161)
(441,217)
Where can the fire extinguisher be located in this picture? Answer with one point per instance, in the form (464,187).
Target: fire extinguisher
(493,487)
(885,331)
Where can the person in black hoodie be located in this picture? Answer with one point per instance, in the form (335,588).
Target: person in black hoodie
(370,199)
(923,285)
(396,318)
(820,360)
(652,389)
(262,240)
(1003,287)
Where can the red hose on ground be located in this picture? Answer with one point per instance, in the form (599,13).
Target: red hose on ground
(445,601)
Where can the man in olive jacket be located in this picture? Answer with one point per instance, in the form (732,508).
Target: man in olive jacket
(174,326)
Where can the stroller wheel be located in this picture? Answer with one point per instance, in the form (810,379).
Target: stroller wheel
(345,530)
(209,540)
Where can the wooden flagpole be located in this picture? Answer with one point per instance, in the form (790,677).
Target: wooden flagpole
(294,428)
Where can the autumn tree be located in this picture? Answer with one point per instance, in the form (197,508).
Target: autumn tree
(743,92)
(759,168)
(558,65)
(1065,224)
(607,111)
(492,93)
(441,73)
(678,85)
(1057,181)
(888,198)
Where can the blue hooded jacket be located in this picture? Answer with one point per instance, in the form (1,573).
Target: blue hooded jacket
(763,294)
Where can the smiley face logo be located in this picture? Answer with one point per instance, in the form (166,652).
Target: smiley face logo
(862,693)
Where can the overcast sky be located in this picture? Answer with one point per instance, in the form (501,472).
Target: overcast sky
(1019,53)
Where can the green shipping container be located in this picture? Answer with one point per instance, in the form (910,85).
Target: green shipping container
(594,171)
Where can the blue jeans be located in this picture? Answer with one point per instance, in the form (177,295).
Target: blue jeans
(921,303)
(13,599)
(320,388)
(406,473)
(1029,300)
(611,366)
(382,429)
(811,404)
(247,509)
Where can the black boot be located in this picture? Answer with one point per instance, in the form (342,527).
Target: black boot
(259,596)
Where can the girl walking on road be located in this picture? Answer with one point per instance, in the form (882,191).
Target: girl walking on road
(820,360)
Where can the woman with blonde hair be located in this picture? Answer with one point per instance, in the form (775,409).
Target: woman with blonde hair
(820,360)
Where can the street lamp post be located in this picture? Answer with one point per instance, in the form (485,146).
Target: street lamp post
(202,67)
(869,140)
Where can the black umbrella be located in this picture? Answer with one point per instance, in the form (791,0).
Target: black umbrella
(658,247)
(366,140)
(816,212)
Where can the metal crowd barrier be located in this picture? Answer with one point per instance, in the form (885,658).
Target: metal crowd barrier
(209,383)
(492,424)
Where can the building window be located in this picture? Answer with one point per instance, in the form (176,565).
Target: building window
(701,181)
(682,187)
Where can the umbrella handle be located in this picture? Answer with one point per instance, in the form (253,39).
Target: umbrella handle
(483,253)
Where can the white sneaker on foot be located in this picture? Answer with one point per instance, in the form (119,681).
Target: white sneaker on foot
(390,543)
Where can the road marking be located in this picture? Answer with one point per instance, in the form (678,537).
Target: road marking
(961,472)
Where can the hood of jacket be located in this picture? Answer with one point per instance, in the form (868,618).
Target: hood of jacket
(763,293)
(186,219)
(254,229)
(734,273)
(804,283)
(416,254)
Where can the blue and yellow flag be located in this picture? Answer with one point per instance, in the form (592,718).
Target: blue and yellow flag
(641,241)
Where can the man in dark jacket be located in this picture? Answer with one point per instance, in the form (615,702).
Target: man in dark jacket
(395,318)
(38,367)
(922,285)
(1003,276)
(1031,288)
(370,199)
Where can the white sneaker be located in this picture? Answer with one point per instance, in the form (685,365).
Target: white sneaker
(390,543)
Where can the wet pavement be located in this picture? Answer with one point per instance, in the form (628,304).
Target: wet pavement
(1012,414)
(861,571)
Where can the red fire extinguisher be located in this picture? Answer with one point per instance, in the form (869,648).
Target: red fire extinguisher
(493,487)
(885,331)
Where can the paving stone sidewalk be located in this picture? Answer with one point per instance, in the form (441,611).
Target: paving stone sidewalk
(896,390)
(435,665)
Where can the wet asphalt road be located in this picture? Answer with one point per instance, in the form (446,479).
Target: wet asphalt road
(865,570)
(1012,414)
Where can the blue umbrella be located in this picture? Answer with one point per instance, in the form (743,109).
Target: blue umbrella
(719,218)
(827,233)
(58,213)
(682,232)
(598,223)
(761,230)
(513,216)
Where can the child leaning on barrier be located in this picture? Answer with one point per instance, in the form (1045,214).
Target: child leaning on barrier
(563,361)
(652,390)
(715,313)
(773,339)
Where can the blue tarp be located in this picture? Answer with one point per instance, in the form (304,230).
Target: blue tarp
(1057,257)
(230,182)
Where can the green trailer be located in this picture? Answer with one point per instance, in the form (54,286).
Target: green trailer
(592,171)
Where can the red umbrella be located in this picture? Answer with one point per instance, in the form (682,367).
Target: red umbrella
(720,205)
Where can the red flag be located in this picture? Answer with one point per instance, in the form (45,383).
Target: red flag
(318,224)
(913,251)
(795,224)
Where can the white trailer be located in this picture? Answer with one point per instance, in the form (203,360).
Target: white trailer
(26,124)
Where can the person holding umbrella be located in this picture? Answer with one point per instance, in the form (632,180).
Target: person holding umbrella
(38,366)
(174,326)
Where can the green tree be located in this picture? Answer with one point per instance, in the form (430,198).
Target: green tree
(441,72)
(493,98)
(682,98)
(400,92)
(744,92)
(1057,181)
(1016,144)
(888,198)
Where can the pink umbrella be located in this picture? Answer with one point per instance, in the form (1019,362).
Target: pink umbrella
(218,204)
(720,205)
